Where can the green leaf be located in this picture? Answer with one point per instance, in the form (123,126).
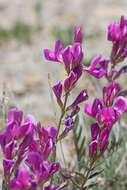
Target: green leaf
(75,184)
(79,141)
(89,186)
(79,134)
(76,122)
(80,174)
(4,186)
(98,164)
(83,165)
(95,174)
(82,144)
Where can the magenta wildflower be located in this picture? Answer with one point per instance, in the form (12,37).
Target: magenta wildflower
(96,107)
(70,81)
(67,57)
(21,181)
(80,98)
(49,187)
(110,92)
(120,105)
(7,165)
(77,55)
(57,89)
(95,131)
(56,54)
(99,142)
(93,148)
(78,34)
(98,67)
(117,33)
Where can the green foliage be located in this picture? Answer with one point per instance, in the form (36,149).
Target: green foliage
(90,186)
(20,31)
(79,141)
(65,35)
(4,186)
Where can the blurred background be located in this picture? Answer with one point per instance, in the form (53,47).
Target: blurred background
(27,27)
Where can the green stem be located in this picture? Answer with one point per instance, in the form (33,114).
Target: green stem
(63,110)
(87,175)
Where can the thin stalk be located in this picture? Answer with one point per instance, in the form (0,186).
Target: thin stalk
(87,175)
(62,112)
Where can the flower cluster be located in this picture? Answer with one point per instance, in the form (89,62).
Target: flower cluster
(106,114)
(29,144)
(71,57)
(117,33)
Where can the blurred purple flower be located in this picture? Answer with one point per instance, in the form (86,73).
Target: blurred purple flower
(96,107)
(57,89)
(22,181)
(110,92)
(95,131)
(93,148)
(70,81)
(67,57)
(7,165)
(56,54)
(78,34)
(98,67)
(120,105)
(80,98)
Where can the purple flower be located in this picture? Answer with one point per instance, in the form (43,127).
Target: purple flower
(104,135)
(69,123)
(114,32)
(120,105)
(52,132)
(67,57)
(33,161)
(7,165)
(49,187)
(110,92)
(57,89)
(15,115)
(103,140)
(9,150)
(78,71)
(56,54)
(77,55)
(47,148)
(22,181)
(75,110)
(47,139)
(95,131)
(107,116)
(117,33)
(80,98)
(96,107)
(98,147)
(98,67)
(43,170)
(70,81)
(93,148)
(78,35)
